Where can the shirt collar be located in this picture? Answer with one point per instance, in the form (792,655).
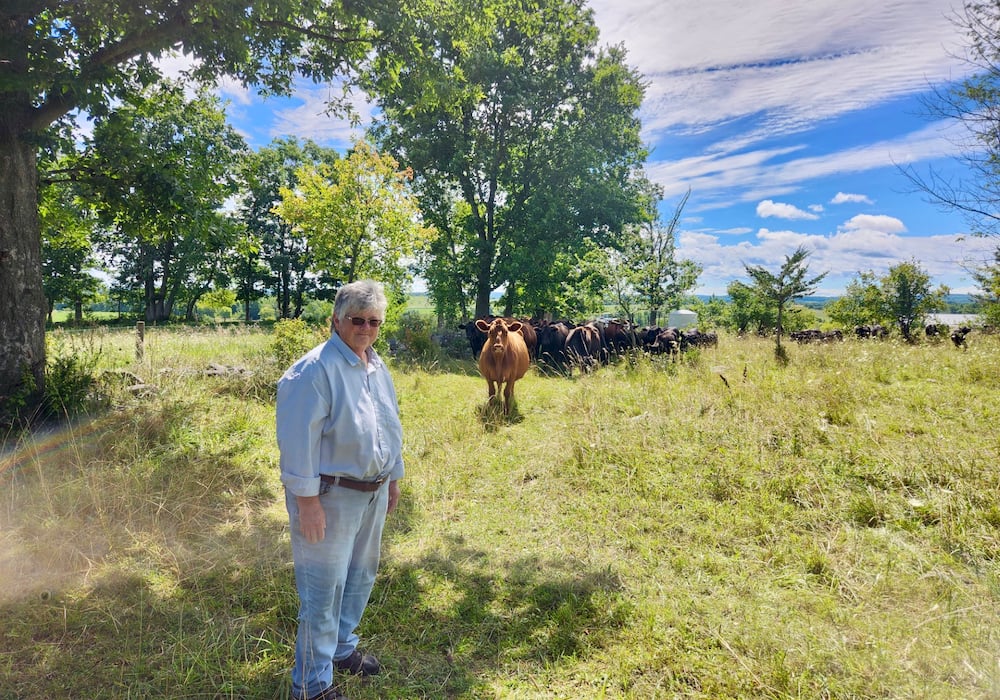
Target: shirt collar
(351,356)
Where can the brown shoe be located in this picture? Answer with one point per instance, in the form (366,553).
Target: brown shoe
(359,664)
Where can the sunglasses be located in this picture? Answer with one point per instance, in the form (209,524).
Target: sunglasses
(358,321)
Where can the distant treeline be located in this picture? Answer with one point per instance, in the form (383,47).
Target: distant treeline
(954,303)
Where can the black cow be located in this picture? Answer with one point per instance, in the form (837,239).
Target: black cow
(583,347)
(666,342)
(875,330)
(698,339)
(815,335)
(552,343)
(475,336)
(958,336)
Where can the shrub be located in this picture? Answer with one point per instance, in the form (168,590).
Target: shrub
(70,377)
(411,340)
(318,312)
(293,337)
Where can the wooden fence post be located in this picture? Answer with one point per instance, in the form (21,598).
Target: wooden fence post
(140,340)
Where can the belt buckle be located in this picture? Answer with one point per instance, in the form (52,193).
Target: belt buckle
(324,487)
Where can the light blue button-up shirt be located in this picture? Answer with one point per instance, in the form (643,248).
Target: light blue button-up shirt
(337,415)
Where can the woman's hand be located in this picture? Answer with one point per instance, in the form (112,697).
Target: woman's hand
(393,496)
(312,518)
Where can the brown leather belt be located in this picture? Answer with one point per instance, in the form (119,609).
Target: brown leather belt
(349,483)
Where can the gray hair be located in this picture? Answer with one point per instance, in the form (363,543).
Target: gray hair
(357,297)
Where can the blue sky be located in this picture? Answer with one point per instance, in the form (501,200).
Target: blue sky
(789,121)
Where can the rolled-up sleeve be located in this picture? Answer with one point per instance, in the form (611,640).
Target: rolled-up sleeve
(302,410)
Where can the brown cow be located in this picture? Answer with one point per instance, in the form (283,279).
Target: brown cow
(504,358)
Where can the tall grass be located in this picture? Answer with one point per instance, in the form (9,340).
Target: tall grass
(721,527)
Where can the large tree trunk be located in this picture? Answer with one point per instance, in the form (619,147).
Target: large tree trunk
(484,276)
(22,302)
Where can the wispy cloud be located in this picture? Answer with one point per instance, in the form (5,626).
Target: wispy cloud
(847,198)
(794,64)
(312,118)
(728,177)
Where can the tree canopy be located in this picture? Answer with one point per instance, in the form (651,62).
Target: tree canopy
(357,215)
(524,141)
(161,167)
(271,252)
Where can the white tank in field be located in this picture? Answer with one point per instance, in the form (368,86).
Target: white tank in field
(682,318)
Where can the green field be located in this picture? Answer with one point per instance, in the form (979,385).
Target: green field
(721,527)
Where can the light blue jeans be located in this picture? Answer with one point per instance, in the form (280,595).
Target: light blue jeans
(334,579)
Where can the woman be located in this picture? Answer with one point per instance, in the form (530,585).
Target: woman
(340,441)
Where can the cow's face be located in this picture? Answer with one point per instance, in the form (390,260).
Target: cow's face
(497,337)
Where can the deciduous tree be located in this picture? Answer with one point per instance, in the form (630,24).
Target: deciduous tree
(66,56)
(268,240)
(659,278)
(781,288)
(161,167)
(908,296)
(524,140)
(902,296)
(358,216)
(67,252)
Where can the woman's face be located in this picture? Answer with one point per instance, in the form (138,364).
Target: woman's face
(358,337)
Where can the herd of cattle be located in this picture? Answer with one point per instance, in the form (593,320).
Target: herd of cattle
(505,347)
(877,330)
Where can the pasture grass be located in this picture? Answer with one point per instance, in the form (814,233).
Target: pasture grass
(718,527)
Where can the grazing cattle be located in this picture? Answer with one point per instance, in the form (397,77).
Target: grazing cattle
(552,343)
(875,330)
(667,341)
(958,336)
(530,336)
(504,358)
(815,335)
(647,337)
(603,355)
(583,347)
(620,336)
(933,330)
(698,339)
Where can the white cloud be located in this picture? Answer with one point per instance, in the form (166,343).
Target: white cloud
(781,210)
(845,198)
(312,120)
(874,243)
(874,222)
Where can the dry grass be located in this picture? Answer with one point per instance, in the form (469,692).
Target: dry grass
(719,528)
